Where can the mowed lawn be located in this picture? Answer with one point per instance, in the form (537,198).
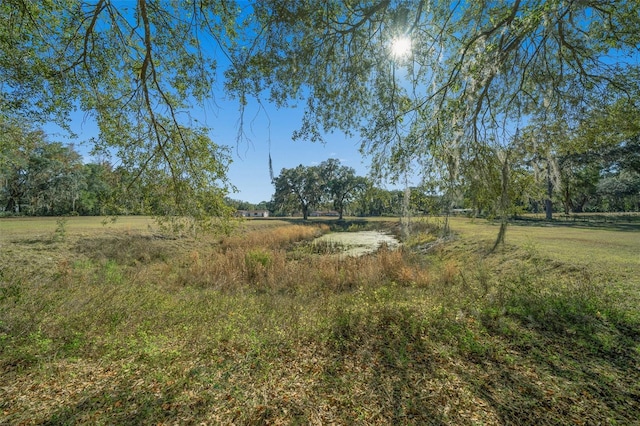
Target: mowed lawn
(119,323)
(608,252)
(612,244)
(36,227)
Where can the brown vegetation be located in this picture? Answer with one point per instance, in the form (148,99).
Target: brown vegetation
(118,326)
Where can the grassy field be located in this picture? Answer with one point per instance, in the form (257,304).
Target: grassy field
(119,324)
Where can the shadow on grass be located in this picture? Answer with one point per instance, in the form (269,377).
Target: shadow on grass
(46,240)
(557,361)
(137,409)
(609,224)
(573,363)
(126,250)
(544,360)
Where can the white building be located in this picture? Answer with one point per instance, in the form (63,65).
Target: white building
(252,213)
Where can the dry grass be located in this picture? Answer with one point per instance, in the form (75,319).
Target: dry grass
(117,326)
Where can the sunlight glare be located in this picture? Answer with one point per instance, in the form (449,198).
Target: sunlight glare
(401,47)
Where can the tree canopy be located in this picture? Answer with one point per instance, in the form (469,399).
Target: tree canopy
(474,74)
(304,188)
(299,188)
(136,68)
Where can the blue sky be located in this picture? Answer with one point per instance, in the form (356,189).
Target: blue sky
(268,129)
(249,171)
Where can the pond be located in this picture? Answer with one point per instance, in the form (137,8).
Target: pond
(359,243)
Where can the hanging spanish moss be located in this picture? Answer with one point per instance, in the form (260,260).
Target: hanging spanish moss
(271,168)
(405,220)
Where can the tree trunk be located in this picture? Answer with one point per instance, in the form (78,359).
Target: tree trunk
(501,234)
(405,219)
(548,206)
(568,204)
(504,202)
(339,206)
(11,205)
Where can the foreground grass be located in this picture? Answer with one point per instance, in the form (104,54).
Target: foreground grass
(115,325)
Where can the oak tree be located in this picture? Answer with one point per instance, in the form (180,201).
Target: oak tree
(137,68)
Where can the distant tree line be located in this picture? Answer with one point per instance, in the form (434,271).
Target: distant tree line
(39,177)
(304,188)
(567,170)
(43,178)
(333,186)
(496,181)
(245,205)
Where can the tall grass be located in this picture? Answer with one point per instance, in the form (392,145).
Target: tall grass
(254,328)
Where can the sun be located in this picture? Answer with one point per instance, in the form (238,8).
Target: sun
(400,47)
